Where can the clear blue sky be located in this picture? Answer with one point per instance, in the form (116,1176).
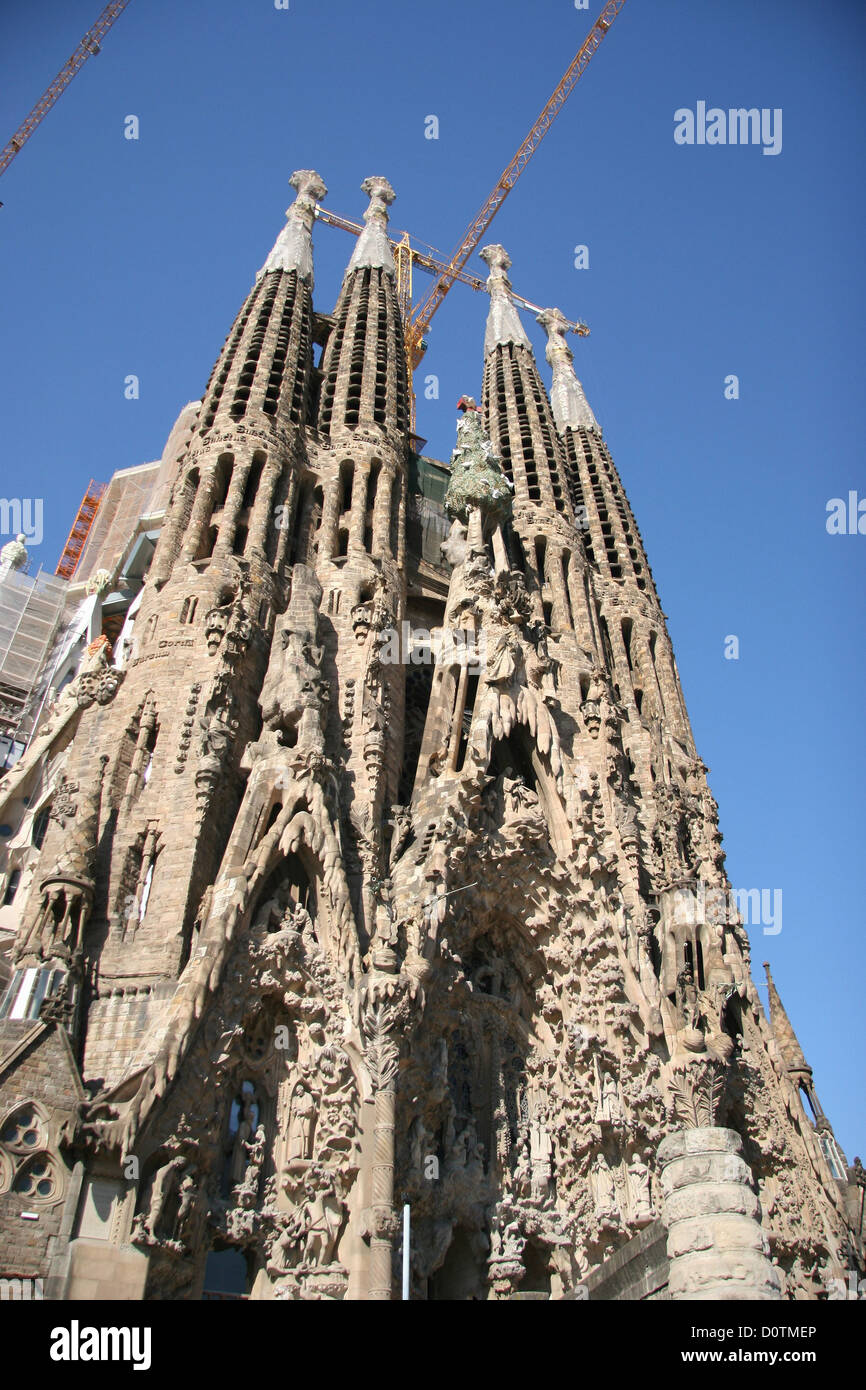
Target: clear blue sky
(132,257)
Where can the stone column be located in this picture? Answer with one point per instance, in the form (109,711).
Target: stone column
(232,507)
(382,512)
(716,1246)
(383,1012)
(200,516)
(384,1223)
(330,518)
(287,521)
(261,512)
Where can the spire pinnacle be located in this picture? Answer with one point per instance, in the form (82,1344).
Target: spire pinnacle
(567,396)
(373,248)
(293,248)
(789,1045)
(503,322)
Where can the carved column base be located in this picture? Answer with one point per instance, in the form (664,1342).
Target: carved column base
(716,1246)
(504,1277)
(313,1285)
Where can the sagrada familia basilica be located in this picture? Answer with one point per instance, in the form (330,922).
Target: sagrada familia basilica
(379,885)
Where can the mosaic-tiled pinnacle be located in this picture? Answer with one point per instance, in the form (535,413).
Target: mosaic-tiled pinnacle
(293,248)
(373,248)
(503,321)
(571,409)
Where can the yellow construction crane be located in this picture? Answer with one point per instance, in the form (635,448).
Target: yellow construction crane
(408,254)
(88,46)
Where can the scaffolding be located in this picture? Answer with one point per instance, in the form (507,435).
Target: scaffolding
(130,496)
(31,610)
(77,537)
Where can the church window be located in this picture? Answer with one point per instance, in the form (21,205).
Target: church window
(27,990)
(12,883)
(394,531)
(606,643)
(25,1166)
(466,721)
(347,474)
(36,1179)
(226,1275)
(626,640)
(565,560)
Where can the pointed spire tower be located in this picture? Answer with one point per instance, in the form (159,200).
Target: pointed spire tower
(235,478)
(800,1074)
(789,1045)
(519,420)
(364,369)
(177,730)
(612,539)
(634,641)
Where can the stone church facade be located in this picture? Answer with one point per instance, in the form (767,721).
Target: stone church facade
(372,880)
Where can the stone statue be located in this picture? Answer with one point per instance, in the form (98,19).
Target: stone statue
(609,1109)
(540,1154)
(240,1150)
(604,1188)
(401,830)
(187,1197)
(323,1217)
(162,1218)
(294,695)
(302,1116)
(639,1186)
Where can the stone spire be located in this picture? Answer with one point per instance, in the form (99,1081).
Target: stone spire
(374,248)
(503,321)
(364,378)
(516,409)
(789,1044)
(571,409)
(293,248)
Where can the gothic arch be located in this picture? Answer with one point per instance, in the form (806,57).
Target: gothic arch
(519,750)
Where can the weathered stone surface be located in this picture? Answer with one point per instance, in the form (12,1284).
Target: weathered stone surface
(715,1243)
(367,879)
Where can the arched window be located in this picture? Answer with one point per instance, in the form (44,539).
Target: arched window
(40,827)
(226,1274)
(26,1167)
(347,474)
(245,1113)
(12,883)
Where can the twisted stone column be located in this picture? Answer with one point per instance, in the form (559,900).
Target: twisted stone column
(716,1246)
(384,1219)
(384,1010)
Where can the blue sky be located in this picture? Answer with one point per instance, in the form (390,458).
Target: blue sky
(127,257)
